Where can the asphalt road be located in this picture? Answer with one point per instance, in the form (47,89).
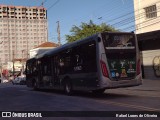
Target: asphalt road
(21,98)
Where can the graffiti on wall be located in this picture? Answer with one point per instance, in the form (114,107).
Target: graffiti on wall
(156,65)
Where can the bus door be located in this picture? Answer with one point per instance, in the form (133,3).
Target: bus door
(39,72)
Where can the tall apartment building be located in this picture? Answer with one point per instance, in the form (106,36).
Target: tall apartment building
(21,29)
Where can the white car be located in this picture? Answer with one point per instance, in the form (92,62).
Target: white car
(5,81)
(19,80)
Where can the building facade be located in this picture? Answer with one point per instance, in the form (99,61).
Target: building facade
(147,21)
(21,29)
(147,15)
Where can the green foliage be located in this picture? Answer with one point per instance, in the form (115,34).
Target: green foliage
(87,29)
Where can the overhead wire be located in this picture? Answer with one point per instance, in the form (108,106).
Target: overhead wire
(82,18)
(57,1)
(129,13)
(119,23)
(142,23)
(125,20)
(140,17)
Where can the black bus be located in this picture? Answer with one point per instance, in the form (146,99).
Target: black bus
(102,61)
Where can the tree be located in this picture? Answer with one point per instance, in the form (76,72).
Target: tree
(87,29)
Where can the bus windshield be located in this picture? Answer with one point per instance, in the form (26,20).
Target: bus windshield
(119,41)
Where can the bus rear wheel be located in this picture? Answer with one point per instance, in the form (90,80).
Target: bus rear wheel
(68,87)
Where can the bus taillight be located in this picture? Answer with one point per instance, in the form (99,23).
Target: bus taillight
(104,68)
(138,67)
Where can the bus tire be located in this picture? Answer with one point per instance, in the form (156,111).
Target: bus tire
(68,88)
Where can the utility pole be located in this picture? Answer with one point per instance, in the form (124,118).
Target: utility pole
(23,59)
(9,42)
(13,63)
(58,31)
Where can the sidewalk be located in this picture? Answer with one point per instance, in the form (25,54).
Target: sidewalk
(148,85)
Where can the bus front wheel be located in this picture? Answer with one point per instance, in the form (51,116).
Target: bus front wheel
(68,87)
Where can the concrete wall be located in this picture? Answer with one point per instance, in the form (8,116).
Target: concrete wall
(151,64)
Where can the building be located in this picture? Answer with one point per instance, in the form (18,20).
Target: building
(147,15)
(147,21)
(21,29)
(18,65)
(42,48)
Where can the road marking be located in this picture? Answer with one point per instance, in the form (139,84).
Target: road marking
(135,94)
(131,94)
(129,106)
(145,95)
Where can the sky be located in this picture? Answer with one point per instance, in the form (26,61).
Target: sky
(117,13)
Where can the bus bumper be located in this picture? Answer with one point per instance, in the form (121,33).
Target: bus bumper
(109,84)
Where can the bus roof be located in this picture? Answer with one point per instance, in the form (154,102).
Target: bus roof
(31,59)
(65,46)
(76,43)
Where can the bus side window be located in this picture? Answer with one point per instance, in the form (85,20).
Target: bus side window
(46,63)
(34,67)
(65,62)
(84,57)
(28,68)
(77,60)
(56,65)
(89,56)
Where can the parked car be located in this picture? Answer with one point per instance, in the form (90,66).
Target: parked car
(21,80)
(5,81)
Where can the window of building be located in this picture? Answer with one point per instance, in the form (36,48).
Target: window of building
(151,11)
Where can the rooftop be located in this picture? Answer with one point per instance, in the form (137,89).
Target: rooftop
(12,6)
(47,44)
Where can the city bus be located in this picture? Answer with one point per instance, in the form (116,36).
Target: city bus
(103,61)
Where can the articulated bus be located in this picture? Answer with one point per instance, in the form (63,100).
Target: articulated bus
(99,62)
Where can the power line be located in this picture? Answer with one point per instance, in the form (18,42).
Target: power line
(140,17)
(110,11)
(129,13)
(128,20)
(53,4)
(114,19)
(125,21)
(144,26)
